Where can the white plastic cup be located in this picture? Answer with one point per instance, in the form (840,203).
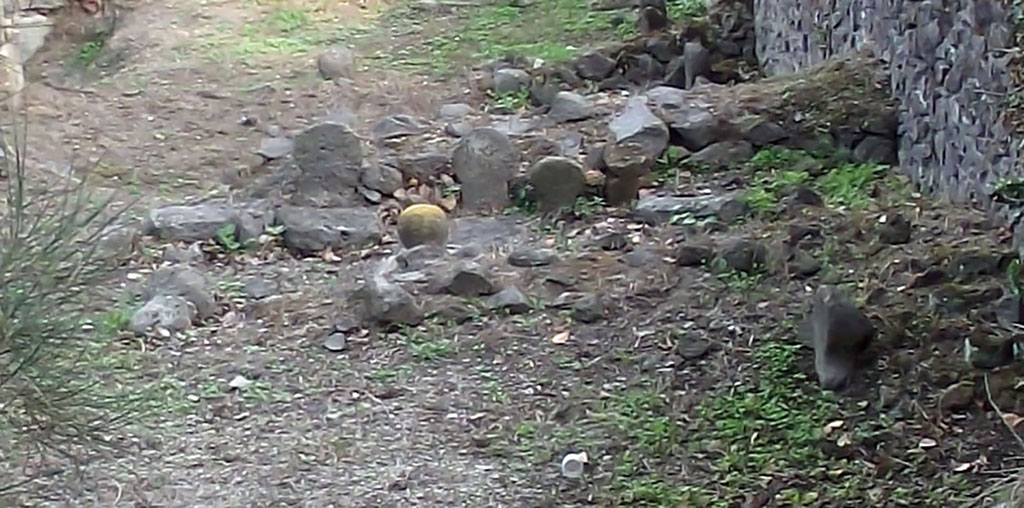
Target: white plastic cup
(572,464)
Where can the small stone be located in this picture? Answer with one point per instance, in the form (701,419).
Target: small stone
(469,279)
(594,66)
(484,163)
(570,107)
(330,156)
(182,281)
(258,288)
(957,397)
(745,256)
(841,334)
(311,230)
(896,230)
(272,148)
(663,208)
(510,299)
(989,351)
(239,382)
(636,124)
(693,255)
(804,265)
(171,313)
(1010,310)
(588,308)
(696,62)
(397,126)
(336,342)
(335,63)
(188,256)
(762,132)
(692,348)
(557,183)
(972,264)
(932,276)
(803,195)
(876,149)
(723,154)
(454,111)
(388,303)
(526,257)
(381,178)
(651,20)
(457,129)
(507,81)
(627,160)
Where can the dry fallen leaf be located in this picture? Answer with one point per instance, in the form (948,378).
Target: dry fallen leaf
(560,338)
(844,440)
(961,467)
(834,425)
(928,443)
(329,256)
(1012,419)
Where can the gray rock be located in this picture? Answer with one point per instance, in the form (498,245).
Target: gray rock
(637,124)
(330,156)
(486,232)
(381,178)
(336,62)
(746,256)
(723,154)
(258,288)
(509,299)
(172,313)
(398,126)
(484,163)
(557,182)
(896,230)
(664,48)
(336,342)
(876,149)
(457,129)
(454,111)
(542,93)
(627,160)
(468,278)
(803,195)
(309,230)
(1009,310)
(253,219)
(970,265)
(275,147)
(700,207)
(388,303)
(689,254)
(588,308)
(424,166)
(570,107)
(675,73)
(696,63)
(990,351)
(116,243)
(527,257)
(594,66)
(641,69)
(690,120)
(506,81)
(651,19)
(183,281)
(191,255)
(189,223)
(760,132)
(841,334)
(803,265)
(514,125)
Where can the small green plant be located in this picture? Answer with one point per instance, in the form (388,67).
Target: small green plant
(511,101)
(678,9)
(849,184)
(427,341)
(666,167)
(227,238)
(88,52)
(1013,276)
(588,206)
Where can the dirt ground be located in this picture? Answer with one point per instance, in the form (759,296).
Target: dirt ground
(692,390)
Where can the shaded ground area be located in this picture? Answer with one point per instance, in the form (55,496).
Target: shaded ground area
(685,383)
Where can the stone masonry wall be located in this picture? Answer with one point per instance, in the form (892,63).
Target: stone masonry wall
(948,61)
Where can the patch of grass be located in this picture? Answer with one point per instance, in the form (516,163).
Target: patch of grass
(428,341)
(88,52)
(512,101)
(547,30)
(678,9)
(588,206)
(849,184)
(667,166)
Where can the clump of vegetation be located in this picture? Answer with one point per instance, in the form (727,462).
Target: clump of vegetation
(55,389)
(778,169)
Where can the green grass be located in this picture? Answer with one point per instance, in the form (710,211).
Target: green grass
(678,9)
(844,184)
(550,30)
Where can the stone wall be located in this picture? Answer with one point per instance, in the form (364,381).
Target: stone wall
(948,61)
